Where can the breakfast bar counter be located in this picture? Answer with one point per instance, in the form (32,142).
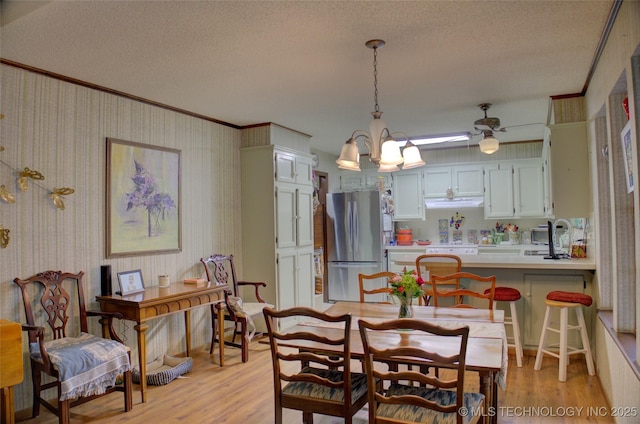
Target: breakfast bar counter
(521,267)
(495,257)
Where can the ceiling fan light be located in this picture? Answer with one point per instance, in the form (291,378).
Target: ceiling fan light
(412,157)
(391,153)
(489,145)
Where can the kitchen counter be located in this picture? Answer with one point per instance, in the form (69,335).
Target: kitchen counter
(503,256)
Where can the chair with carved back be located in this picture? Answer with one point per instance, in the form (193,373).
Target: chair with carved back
(488,285)
(438,264)
(364,279)
(412,396)
(307,380)
(83,366)
(221,269)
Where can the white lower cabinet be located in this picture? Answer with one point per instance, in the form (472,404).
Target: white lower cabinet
(295,271)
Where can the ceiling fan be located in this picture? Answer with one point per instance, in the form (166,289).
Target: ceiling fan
(487,126)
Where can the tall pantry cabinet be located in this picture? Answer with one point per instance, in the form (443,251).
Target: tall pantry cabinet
(277,221)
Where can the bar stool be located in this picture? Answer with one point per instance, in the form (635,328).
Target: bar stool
(508,294)
(564,301)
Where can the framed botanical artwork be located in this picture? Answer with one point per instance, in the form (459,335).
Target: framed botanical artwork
(625,137)
(130,282)
(142,199)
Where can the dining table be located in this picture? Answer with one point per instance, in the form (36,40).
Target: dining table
(486,347)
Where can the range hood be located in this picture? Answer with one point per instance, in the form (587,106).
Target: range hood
(455,203)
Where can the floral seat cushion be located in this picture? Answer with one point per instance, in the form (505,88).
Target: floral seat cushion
(409,413)
(298,388)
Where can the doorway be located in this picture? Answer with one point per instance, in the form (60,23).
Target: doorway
(321,187)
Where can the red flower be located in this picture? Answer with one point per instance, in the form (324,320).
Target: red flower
(420,281)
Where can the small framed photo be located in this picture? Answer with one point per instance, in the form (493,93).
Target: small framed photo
(130,282)
(625,137)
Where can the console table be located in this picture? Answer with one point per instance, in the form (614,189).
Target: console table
(156,302)
(10,367)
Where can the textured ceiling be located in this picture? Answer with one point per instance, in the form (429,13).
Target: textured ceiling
(304,65)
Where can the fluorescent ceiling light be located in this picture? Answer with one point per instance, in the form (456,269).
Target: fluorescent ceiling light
(435,139)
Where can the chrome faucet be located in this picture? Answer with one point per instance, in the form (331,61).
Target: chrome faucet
(556,240)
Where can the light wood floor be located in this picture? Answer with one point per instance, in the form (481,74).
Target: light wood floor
(243,394)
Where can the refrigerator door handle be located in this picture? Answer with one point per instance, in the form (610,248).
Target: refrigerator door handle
(356,229)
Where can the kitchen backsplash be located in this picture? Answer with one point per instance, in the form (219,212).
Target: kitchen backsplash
(466,225)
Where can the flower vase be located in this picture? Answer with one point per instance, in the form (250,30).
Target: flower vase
(405,308)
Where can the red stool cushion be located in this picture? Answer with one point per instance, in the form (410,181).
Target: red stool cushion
(504,294)
(571,297)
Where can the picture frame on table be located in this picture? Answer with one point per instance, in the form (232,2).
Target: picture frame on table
(143,211)
(130,282)
(625,138)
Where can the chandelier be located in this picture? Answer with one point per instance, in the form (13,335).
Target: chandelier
(384,149)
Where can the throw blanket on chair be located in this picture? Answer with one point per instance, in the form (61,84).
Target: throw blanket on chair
(87,364)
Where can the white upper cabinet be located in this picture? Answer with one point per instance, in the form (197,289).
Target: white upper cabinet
(364,180)
(529,189)
(408,196)
(514,189)
(294,215)
(569,172)
(292,168)
(464,180)
(437,180)
(498,182)
(467,180)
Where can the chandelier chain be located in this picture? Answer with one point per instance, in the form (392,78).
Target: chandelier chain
(375,78)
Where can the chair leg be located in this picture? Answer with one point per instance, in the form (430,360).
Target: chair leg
(585,342)
(245,340)
(564,342)
(307,417)
(515,326)
(63,412)
(36,380)
(543,339)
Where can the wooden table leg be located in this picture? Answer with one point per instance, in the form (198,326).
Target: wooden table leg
(187,329)
(221,333)
(8,411)
(141,329)
(494,398)
(486,389)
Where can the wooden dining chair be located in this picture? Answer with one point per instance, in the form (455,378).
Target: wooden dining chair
(221,269)
(80,365)
(410,396)
(381,289)
(311,382)
(488,284)
(439,264)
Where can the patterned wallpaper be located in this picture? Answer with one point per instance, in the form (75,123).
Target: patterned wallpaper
(60,129)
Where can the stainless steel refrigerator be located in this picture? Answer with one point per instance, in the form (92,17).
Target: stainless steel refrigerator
(355,226)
